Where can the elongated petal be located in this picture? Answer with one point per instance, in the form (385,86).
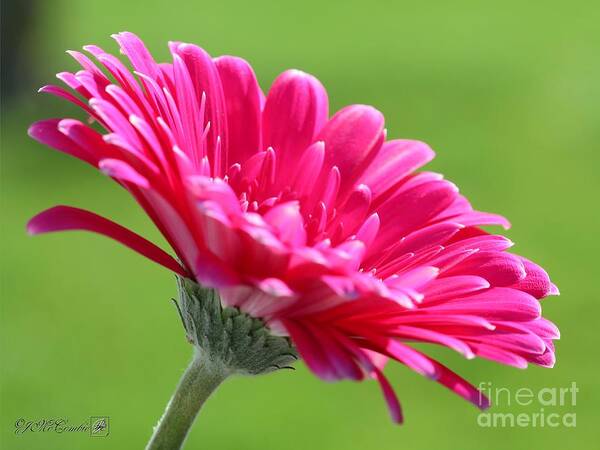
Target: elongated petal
(295,110)
(288,222)
(133,47)
(425,335)
(62,218)
(499,355)
(396,160)
(494,304)
(47,132)
(352,139)
(242,103)
(205,79)
(437,234)
(460,386)
(499,268)
(480,218)
(454,287)
(60,92)
(535,282)
(547,359)
(312,353)
(121,170)
(403,353)
(423,201)
(390,397)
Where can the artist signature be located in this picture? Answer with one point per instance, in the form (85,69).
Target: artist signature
(95,426)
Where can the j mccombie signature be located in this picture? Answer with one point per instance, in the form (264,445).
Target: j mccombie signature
(93,426)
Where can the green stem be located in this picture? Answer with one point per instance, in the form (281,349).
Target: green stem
(199,381)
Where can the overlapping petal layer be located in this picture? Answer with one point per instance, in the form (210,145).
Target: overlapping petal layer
(315,224)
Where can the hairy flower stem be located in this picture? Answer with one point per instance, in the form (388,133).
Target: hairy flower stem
(200,379)
(226,342)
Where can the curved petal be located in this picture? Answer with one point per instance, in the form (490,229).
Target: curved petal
(410,210)
(311,351)
(390,396)
(63,93)
(497,303)
(141,59)
(352,139)
(295,110)
(47,132)
(536,281)
(286,219)
(122,171)
(62,218)
(396,160)
(477,218)
(459,386)
(499,268)
(242,103)
(205,80)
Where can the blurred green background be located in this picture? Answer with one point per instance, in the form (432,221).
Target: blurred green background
(507,93)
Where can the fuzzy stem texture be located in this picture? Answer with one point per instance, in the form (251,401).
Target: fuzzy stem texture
(198,382)
(226,342)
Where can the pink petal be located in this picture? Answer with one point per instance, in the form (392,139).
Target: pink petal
(311,351)
(494,304)
(337,353)
(309,168)
(425,335)
(373,362)
(390,396)
(47,132)
(453,287)
(425,237)
(352,213)
(499,268)
(288,222)
(460,386)
(212,272)
(437,321)
(415,278)
(295,111)
(484,242)
(121,170)
(242,103)
(90,68)
(547,359)
(499,355)
(423,201)
(219,237)
(396,160)
(480,218)
(205,79)
(172,225)
(402,353)
(506,337)
(352,139)
(60,218)
(60,92)
(274,287)
(141,59)
(536,281)
(368,230)
(188,104)
(543,328)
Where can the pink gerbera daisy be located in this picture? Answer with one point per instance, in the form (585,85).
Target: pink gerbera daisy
(315,224)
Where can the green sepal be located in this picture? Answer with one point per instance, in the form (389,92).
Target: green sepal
(232,340)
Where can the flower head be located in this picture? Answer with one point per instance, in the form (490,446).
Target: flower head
(317,225)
